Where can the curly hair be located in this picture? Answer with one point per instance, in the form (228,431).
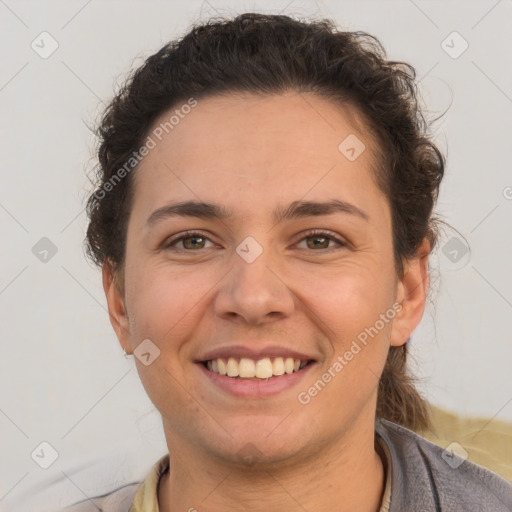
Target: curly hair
(272,54)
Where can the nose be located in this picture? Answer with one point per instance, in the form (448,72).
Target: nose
(254,292)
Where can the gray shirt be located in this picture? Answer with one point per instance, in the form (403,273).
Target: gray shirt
(427,478)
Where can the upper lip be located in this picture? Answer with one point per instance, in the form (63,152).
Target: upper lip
(239,351)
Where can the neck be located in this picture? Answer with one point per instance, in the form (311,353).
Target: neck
(344,475)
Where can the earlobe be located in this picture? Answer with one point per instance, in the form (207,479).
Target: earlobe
(411,294)
(116,306)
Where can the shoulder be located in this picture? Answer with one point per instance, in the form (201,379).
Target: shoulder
(137,497)
(425,477)
(117,501)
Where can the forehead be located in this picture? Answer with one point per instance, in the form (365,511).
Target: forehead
(258,150)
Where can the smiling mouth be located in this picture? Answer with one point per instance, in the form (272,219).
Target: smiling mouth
(255,369)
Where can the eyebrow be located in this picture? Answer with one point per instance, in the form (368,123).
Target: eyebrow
(295,210)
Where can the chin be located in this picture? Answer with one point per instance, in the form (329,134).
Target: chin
(260,442)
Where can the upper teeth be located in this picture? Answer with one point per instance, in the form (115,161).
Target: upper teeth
(250,368)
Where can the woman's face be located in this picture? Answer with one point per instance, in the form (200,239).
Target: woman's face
(273,278)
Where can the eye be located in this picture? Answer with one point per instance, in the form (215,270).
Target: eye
(191,240)
(316,240)
(320,240)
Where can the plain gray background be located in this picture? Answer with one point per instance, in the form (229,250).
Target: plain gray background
(63,376)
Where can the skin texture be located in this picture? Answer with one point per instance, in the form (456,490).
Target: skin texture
(251,153)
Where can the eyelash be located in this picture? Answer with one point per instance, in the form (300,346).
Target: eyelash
(309,234)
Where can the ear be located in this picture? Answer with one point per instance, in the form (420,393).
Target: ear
(116,307)
(411,294)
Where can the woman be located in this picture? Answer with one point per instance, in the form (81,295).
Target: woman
(263,220)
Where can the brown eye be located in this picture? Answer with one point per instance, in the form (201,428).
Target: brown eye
(320,240)
(189,242)
(193,242)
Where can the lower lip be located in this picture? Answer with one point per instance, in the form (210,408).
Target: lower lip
(254,388)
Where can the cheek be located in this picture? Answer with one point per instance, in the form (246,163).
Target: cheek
(348,305)
(164,306)
(348,299)
(349,310)
(164,302)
